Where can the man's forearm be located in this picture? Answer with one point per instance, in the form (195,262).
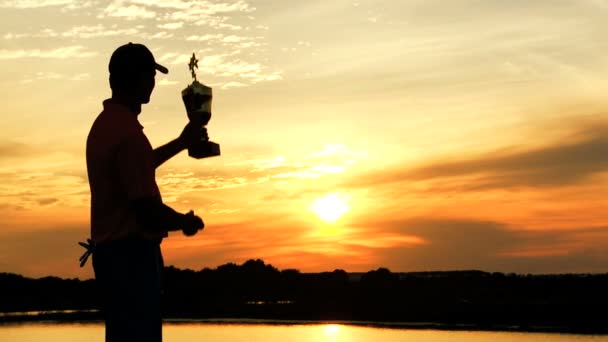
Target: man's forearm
(154,215)
(167,151)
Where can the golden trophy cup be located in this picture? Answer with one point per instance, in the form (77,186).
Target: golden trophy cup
(197,99)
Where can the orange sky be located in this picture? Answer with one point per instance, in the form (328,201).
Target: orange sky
(451,135)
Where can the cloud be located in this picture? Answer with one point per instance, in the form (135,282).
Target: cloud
(10,149)
(184,182)
(32,4)
(171,26)
(239,42)
(562,163)
(47,75)
(97,31)
(200,7)
(10,35)
(233,84)
(421,244)
(255,171)
(52,251)
(47,201)
(208,6)
(131,12)
(569,161)
(453,244)
(225,66)
(84,32)
(74,51)
(229,26)
(25,4)
(246,239)
(277,240)
(234,39)
(166,82)
(160,35)
(32,175)
(206,13)
(328,160)
(204,38)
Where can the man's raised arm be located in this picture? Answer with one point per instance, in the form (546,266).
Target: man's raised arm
(167,151)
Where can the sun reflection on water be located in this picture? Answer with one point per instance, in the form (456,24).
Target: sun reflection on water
(331,331)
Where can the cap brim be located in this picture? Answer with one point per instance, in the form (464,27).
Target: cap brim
(161,68)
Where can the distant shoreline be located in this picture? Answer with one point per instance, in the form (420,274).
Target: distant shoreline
(92,317)
(257,293)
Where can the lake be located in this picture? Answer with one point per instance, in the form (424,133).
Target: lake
(216,332)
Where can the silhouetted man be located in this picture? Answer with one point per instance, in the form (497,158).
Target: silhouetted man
(128,217)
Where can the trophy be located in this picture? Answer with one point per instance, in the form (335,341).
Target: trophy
(197,99)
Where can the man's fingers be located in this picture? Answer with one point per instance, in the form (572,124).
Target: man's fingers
(199,223)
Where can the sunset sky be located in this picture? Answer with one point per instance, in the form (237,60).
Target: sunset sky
(413,135)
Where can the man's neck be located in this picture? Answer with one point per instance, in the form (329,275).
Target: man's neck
(134,106)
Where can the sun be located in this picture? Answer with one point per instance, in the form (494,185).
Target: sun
(330,207)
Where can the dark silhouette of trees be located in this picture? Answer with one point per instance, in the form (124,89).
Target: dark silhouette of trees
(568,302)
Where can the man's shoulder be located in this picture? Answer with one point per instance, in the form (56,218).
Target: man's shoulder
(112,124)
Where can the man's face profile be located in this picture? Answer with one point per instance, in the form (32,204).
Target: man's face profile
(132,70)
(145,85)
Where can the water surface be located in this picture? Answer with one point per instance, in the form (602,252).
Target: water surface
(213,332)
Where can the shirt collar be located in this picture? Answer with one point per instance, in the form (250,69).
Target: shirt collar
(110,106)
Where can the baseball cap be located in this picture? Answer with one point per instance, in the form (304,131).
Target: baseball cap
(133,57)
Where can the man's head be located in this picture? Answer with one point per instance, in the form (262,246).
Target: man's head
(132,69)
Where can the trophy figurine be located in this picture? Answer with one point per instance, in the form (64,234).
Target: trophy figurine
(197,99)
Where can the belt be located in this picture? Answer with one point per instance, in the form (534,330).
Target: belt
(91,246)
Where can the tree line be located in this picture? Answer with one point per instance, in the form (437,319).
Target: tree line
(255,289)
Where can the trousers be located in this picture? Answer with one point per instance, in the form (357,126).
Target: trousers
(128,277)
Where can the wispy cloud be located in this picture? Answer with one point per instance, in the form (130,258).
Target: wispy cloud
(239,42)
(565,162)
(171,26)
(228,56)
(166,82)
(160,35)
(490,246)
(568,161)
(33,3)
(97,31)
(10,149)
(28,188)
(227,66)
(203,38)
(179,11)
(233,84)
(74,51)
(47,75)
(130,12)
(326,163)
(34,176)
(64,5)
(83,32)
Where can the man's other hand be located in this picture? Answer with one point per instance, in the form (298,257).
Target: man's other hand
(191,224)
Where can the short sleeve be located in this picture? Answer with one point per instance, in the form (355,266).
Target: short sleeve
(136,167)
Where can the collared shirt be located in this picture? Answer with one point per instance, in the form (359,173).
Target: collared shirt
(120,166)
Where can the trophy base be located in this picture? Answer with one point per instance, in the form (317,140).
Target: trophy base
(204,150)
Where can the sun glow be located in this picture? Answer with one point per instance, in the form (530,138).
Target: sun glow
(330,207)
(332,330)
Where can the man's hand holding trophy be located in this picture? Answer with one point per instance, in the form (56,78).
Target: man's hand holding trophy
(197,99)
